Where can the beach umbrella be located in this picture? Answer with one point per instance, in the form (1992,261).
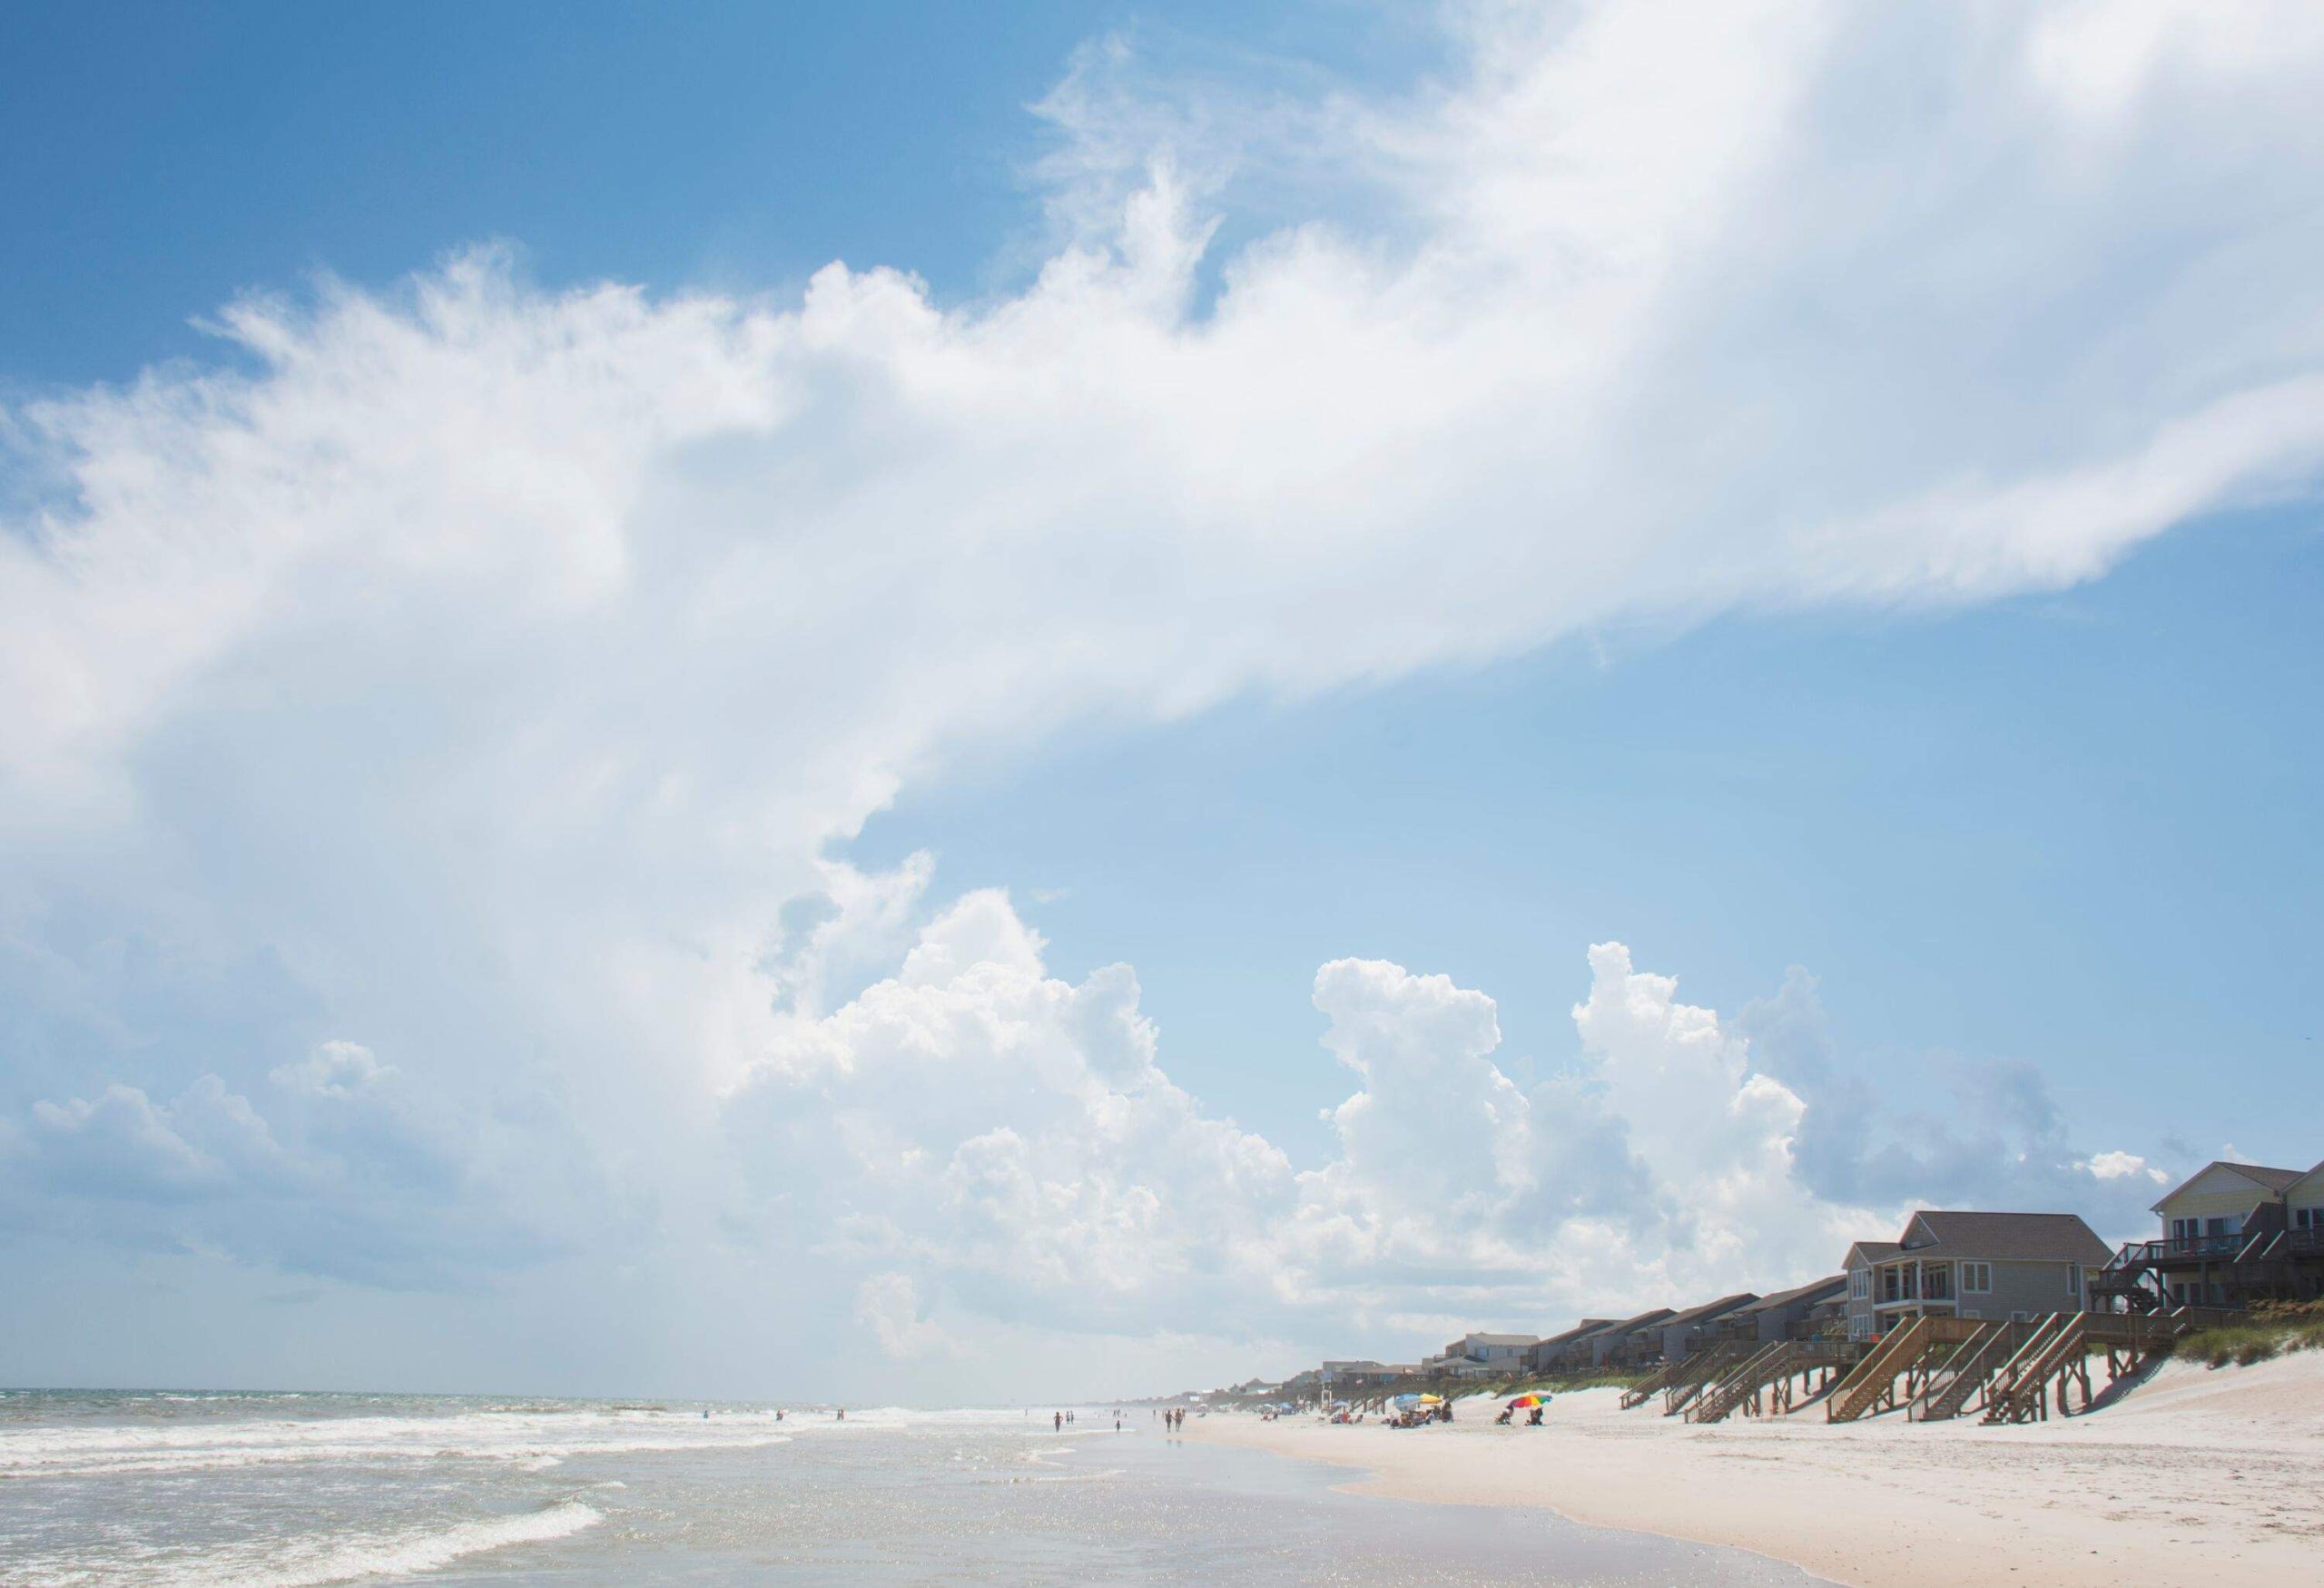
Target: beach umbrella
(1430,1400)
(1406,1400)
(1523,1401)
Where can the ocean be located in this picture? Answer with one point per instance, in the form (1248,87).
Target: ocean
(165,1490)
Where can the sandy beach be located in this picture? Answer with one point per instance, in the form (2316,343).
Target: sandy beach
(2195,1476)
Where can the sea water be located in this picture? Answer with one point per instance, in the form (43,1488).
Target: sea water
(284,1491)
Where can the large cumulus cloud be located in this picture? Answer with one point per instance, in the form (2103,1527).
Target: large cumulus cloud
(973,1133)
(478,673)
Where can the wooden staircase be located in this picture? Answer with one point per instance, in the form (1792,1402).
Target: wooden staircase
(1647,1388)
(2060,1352)
(1704,1368)
(1966,1371)
(2020,1391)
(1725,1395)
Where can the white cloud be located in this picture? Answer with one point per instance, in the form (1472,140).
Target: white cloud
(336,1069)
(2118,1166)
(120,1144)
(974,1128)
(483,668)
(345,1175)
(990,1132)
(888,1305)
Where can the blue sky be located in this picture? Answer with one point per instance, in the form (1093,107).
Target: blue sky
(2058,829)
(170,161)
(1120,784)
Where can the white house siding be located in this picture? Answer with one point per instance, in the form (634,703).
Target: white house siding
(2306,1196)
(2217,1193)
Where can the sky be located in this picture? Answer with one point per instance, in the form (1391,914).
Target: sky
(894,706)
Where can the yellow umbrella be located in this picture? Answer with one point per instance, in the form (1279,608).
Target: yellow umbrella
(1432,1400)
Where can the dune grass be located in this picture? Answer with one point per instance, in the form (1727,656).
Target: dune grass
(2268,1332)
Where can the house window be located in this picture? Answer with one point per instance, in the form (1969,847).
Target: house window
(1859,1328)
(2309,1218)
(1978,1276)
(1860,1284)
(2073,1278)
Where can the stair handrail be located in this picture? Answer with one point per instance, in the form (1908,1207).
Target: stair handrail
(1971,1365)
(1862,1385)
(1723,1397)
(2061,1336)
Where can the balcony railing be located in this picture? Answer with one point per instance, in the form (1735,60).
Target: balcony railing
(2220,1249)
(2178,1249)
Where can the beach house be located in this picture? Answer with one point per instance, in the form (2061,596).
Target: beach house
(1686,1332)
(1562,1351)
(1797,1314)
(1973,1264)
(2232,1234)
(1483,1356)
(1629,1343)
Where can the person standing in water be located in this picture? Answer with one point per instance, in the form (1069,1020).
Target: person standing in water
(1057,1422)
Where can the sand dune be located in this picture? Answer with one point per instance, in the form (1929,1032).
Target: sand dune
(2192,1476)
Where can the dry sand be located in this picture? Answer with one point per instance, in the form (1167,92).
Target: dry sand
(2191,1477)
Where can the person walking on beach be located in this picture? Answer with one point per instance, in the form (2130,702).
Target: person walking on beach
(1057,1422)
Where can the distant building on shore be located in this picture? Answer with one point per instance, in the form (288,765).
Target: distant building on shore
(1688,1331)
(1630,1342)
(1552,1354)
(1480,1357)
(1800,1313)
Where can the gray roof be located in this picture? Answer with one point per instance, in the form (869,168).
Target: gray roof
(1629,1324)
(1586,1325)
(1879,1251)
(2041,1238)
(1710,1309)
(2277,1180)
(1809,1293)
(1502,1339)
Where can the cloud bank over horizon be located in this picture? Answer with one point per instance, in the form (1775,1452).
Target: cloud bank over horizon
(970,1145)
(431,729)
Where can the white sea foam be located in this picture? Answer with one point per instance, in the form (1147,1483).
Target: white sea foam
(395,1555)
(315,1562)
(536,1440)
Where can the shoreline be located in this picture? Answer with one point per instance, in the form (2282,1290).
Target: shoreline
(2195,1476)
